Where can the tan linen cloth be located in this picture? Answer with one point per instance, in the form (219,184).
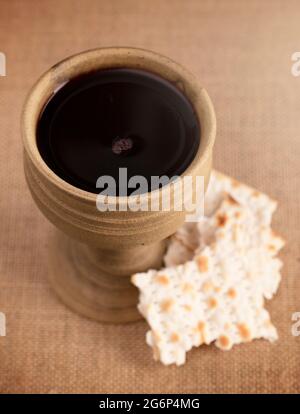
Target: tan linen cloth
(241,52)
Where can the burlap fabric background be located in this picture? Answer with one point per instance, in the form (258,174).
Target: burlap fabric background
(241,52)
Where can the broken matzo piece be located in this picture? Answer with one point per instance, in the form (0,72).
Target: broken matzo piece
(219,295)
(187,307)
(191,236)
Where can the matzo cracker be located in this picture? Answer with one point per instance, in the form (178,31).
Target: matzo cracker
(219,295)
(191,236)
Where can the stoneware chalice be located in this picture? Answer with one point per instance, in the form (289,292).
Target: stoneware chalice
(87,117)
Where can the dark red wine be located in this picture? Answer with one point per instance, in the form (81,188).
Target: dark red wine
(117,118)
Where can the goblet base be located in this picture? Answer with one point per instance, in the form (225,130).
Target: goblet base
(96,282)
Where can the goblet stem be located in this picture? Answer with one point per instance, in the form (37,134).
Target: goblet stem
(96,282)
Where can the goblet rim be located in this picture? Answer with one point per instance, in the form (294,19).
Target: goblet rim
(112,57)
